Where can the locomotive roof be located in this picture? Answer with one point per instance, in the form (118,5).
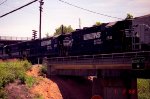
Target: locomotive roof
(148,15)
(110,24)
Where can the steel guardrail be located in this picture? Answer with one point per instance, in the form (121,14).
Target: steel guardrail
(14,38)
(145,54)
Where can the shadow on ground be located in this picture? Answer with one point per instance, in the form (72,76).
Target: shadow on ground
(73,87)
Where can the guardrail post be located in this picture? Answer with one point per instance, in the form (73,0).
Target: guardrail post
(38,61)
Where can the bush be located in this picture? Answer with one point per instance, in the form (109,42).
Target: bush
(11,70)
(26,65)
(143,86)
(43,70)
(30,81)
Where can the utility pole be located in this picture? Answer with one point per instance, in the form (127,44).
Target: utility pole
(41,3)
(79,23)
(62,29)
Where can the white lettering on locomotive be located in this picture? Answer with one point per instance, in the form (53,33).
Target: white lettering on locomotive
(44,43)
(97,41)
(67,41)
(92,36)
(49,48)
(109,37)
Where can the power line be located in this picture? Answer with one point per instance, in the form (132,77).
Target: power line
(12,7)
(18,8)
(89,10)
(3,2)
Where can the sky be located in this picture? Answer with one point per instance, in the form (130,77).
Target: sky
(55,13)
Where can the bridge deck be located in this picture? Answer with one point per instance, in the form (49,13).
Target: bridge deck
(101,61)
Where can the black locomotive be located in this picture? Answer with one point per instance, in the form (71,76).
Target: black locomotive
(106,38)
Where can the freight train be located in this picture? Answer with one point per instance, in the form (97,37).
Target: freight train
(106,38)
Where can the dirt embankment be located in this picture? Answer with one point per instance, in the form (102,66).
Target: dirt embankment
(51,88)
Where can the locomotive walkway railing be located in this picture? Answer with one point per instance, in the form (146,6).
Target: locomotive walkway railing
(100,61)
(14,38)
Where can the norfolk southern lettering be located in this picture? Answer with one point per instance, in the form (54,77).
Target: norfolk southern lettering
(92,36)
(45,43)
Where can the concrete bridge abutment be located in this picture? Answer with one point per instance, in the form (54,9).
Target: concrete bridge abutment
(115,84)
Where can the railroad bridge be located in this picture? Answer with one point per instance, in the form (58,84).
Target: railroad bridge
(6,40)
(115,74)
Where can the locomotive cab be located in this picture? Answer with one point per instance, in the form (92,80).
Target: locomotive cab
(60,45)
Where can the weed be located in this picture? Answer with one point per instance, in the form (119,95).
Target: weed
(43,70)
(11,70)
(38,96)
(143,86)
(30,81)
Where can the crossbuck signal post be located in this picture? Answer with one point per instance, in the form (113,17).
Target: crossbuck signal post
(34,34)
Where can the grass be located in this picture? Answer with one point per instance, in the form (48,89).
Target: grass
(38,96)
(143,86)
(30,81)
(43,70)
(10,71)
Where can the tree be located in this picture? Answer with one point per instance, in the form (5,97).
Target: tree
(47,35)
(97,23)
(129,16)
(66,29)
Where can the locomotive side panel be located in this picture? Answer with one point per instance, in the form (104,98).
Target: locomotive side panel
(141,28)
(91,40)
(121,40)
(1,52)
(49,47)
(77,44)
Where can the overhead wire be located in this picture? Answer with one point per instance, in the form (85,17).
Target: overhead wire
(18,8)
(29,12)
(88,10)
(3,2)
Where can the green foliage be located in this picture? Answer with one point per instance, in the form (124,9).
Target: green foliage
(97,24)
(43,70)
(129,16)
(66,29)
(30,81)
(143,88)
(26,65)
(11,70)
